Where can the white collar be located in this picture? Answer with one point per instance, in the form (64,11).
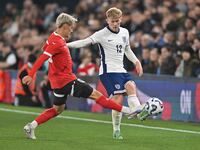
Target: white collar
(58,35)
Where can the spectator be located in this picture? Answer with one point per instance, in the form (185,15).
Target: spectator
(188,65)
(26,94)
(46,92)
(153,64)
(9,59)
(151,23)
(197,71)
(157,36)
(181,40)
(169,39)
(167,62)
(87,67)
(145,59)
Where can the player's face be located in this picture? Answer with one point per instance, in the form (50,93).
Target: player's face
(68,29)
(114,23)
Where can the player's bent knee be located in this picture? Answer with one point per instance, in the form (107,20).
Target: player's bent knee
(130,85)
(95,94)
(59,111)
(130,88)
(60,108)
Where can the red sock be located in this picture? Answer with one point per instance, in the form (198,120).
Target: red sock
(109,103)
(46,115)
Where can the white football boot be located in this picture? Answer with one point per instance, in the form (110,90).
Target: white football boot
(134,112)
(29,131)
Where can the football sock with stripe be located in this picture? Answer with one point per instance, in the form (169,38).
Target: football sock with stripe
(111,104)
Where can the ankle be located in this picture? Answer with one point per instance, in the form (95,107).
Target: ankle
(34,124)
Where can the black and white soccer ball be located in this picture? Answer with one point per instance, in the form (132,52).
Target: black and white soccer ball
(154,106)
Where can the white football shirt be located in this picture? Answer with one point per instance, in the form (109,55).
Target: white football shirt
(112,47)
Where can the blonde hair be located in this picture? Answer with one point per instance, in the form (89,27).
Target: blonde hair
(113,13)
(65,18)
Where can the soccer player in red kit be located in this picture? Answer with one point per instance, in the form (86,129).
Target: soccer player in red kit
(62,80)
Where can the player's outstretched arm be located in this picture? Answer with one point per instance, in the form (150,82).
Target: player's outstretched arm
(131,56)
(38,64)
(80,43)
(28,79)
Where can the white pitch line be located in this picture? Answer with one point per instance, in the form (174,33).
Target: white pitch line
(102,121)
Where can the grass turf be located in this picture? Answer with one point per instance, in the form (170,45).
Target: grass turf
(68,134)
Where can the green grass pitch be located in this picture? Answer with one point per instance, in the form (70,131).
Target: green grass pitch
(89,131)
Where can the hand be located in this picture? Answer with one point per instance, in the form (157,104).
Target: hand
(27,80)
(139,68)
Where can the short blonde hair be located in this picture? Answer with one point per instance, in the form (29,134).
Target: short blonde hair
(113,13)
(65,18)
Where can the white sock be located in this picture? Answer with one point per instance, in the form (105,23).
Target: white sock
(126,110)
(133,102)
(116,120)
(34,124)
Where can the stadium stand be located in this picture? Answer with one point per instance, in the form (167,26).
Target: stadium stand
(153,24)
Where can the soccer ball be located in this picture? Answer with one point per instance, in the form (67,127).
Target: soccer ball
(154,106)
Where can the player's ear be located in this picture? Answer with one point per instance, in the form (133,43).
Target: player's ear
(120,18)
(107,20)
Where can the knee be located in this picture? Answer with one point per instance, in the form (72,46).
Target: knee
(130,85)
(118,98)
(95,94)
(59,109)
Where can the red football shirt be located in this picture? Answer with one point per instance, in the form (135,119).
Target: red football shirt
(60,61)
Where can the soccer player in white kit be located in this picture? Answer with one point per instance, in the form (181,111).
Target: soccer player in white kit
(113,42)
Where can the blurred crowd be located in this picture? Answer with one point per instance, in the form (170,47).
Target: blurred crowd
(164,34)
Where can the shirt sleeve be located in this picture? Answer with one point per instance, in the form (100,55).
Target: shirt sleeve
(80,43)
(23,74)
(128,51)
(96,37)
(38,64)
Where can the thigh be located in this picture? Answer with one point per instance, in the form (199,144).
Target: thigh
(59,100)
(114,83)
(107,83)
(127,77)
(81,89)
(60,95)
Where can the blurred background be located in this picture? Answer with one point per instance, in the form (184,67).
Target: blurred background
(164,35)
